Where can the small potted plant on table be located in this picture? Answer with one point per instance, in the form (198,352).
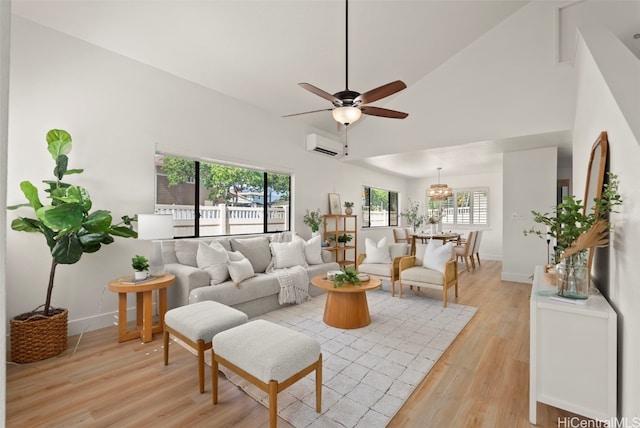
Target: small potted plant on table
(140,265)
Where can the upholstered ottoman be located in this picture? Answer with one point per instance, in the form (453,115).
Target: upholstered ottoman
(269,356)
(196,324)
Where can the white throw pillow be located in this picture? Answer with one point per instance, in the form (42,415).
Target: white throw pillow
(213,258)
(288,254)
(235,256)
(240,270)
(312,249)
(376,252)
(436,256)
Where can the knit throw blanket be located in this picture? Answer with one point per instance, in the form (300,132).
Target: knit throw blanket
(294,284)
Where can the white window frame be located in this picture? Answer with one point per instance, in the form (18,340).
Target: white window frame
(471,223)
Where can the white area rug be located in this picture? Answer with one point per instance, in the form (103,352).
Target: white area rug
(368,373)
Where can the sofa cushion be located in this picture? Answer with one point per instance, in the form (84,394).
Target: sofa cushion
(420,248)
(437,256)
(186,251)
(377,269)
(312,250)
(288,254)
(376,252)
(213,258)
(240,270)
(256,250)
(421,275)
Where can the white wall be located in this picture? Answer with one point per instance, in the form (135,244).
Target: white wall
(609,100)
(5,36)
(505,84)
(529,184)
(118,111)
(491,243)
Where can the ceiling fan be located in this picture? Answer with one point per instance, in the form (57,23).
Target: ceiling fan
(349,105)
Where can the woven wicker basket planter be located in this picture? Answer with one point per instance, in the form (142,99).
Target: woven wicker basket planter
(38,337)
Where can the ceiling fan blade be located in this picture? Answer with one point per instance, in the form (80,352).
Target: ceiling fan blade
(307,112)
(319,92)
(381,92)
(383,112)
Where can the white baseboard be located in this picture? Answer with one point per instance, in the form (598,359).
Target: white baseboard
(98,321)
(516,277)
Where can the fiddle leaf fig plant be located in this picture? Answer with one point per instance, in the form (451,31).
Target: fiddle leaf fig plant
(69,226)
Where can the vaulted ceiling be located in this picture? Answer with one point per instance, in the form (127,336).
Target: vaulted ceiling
(483,77)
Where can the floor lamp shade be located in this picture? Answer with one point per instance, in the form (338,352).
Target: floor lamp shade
(154,227)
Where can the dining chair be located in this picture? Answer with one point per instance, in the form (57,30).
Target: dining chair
(400,236)
(464,251)
(476,246)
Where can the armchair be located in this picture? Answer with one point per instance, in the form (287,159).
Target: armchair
(415,273)
(388,270)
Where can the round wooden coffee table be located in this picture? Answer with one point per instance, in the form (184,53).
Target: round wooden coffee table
(346,306)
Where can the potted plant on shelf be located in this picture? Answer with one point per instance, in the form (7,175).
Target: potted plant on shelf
(313,219)
(343,239)
(348,208)
(575,232)
(140,265)
(70,230)
(413,216)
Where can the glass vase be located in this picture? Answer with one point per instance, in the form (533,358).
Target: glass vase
(573,276)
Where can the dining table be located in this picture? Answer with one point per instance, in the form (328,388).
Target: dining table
(425,237)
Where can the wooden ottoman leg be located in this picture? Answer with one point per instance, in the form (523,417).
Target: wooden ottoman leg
(214,377)
(201,365)
(273,404)
(319,385)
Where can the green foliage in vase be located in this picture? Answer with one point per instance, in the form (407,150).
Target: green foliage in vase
(568,220)
(413,215)
(313,219)
(347,276)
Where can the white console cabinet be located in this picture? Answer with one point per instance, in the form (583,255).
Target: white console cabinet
(573,353)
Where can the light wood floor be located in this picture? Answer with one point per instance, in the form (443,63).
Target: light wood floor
(482,380)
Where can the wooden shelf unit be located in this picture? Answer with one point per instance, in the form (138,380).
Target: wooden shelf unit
(341,224)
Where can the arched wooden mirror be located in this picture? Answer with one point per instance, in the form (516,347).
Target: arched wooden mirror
(595,178)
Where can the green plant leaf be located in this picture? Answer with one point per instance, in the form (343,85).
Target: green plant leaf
(74,171)
(23,224)
(98,221)
(61,166)
(123,231)
(15,207)
(31,193)
(64,218)
(67,250)
(58,143)
(91,242)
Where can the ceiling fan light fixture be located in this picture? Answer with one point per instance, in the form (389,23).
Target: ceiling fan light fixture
(346,115)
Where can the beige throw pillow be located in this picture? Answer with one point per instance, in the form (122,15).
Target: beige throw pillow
(240,270)
(213,258)
(437,256)
(376,252)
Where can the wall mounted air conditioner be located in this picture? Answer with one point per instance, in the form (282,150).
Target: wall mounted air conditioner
(319,144)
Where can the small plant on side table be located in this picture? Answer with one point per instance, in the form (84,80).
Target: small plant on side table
(140,265)
(348,208)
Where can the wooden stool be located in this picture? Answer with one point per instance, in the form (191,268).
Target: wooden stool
(196,324)
(269,356)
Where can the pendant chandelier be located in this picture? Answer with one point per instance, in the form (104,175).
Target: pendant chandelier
(439,192)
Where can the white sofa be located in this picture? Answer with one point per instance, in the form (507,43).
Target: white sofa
(254,296)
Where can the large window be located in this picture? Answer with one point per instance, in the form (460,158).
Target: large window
(379,207)
(467,207)
(210,199)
